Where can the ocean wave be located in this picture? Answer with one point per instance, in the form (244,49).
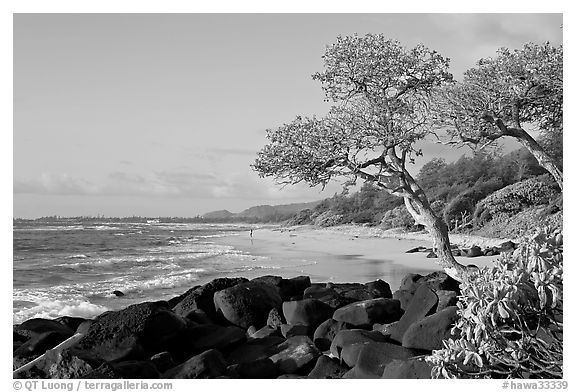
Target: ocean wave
(50,309)
(78,256)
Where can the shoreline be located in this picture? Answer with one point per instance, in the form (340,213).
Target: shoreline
(346,253)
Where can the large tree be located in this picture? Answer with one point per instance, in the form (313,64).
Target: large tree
(381,91)
(506,96)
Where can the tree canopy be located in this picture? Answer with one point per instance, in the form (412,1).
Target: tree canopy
(504,96)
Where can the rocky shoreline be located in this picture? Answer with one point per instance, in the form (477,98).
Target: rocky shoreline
(267,327)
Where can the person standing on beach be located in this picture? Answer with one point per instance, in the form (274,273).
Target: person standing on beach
(251,230)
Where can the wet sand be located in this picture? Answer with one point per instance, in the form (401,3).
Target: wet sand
(342,254)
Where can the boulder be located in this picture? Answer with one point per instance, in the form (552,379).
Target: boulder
(287,288)
(264,332)
(195,340)
(327,295)
(136,369)
(350,352)
(145,328)
(295,354)
(327,367)
(408,283)
(202,297)
(428,333)
(275,318)
(404,296)
(407,369)
(422,303)
(416,250)
(61,365)
(324,334)
(38,344)
(289,330)
(507,246)
(37,326)
(351,336)
(373,358)
(209,364)
(385,329)
(104,371)
(163,361)
(260,369)
(366,313)
(309,312)
(379,289)
(432,255)
(439,280)
(446,298)
(255,349)
(71,322)
(247,304)
(198,316)
(474,251)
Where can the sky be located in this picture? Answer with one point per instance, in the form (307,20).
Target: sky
(162,114)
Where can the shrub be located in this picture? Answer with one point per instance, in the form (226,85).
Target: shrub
(397,217)
(514,198)
(510,323)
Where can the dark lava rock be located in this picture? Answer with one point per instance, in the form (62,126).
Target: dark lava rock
(327,295)
(350,352)
(104,371)
(275,318)
(474,251)
(71,322)
(374,357)
(255,349)
(38,344)
(404,296)
(136,369)
(295,354)
(59,365)
(195,340)
(408,283)
(131,332)
(432,255)
(422,303)
(203,297)
(407,369)
(439,280)
(247,303)
(163,361)
(209,364)
(260,369)
(366,313)
(428,333)
(351,336)
(310,312)
(379,289)
(264,332)
(37,326)
(198,316)
(324,334)
(417,249)
(446,298)
(289,330)
(287,288)
(327,367)
(507,246)
(118,293)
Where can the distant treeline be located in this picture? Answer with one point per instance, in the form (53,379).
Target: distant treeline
(464,193)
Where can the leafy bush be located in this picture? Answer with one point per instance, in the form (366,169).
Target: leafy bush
(514,198)
(511,317)
(397,217)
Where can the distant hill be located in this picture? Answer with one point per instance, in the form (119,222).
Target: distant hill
(220,214)
(262,212)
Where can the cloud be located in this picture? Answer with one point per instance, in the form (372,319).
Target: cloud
(56,184)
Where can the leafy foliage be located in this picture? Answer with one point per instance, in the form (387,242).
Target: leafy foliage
(513,198)
(397,217)
(511,317)
(511,89)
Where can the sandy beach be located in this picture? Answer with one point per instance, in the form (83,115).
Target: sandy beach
(346,253)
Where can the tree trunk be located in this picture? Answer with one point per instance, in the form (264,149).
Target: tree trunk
(544,160)
(424,215)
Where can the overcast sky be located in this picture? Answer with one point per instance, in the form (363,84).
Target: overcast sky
(162,114)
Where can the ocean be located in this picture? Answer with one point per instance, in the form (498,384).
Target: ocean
(73,268)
